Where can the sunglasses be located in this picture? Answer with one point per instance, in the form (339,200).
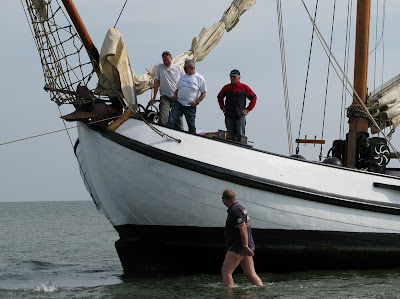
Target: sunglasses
(187,67)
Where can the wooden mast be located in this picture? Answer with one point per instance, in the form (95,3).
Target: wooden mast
(83,33)
(358,123)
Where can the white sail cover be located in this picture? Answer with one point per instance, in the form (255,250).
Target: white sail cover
(114,60)
(115,70)
(384,105)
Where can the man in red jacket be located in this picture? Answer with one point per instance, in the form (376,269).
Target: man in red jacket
(234,107)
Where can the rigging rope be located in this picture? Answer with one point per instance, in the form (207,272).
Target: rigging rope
(361,104)
(383,26)
(61,67)
(376,35)
(162,134)
(115,26)
(381,39)
(307,74)
(345,67)
(284,76)
(57,131)
(377,43)
(327,78)
(65,126)
(83,173)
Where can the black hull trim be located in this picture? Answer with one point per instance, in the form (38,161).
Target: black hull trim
(252,181)
(158,249)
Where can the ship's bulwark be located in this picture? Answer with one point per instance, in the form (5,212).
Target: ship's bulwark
(158,249)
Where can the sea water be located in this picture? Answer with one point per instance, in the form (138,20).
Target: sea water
(66,250)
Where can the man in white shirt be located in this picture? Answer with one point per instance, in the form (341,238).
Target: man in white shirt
(167,76)
(191,90)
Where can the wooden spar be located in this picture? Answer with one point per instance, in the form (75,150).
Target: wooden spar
(312,141)
(356,122)
(83,33)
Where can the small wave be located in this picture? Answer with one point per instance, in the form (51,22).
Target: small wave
(35,265)
(214,285)
(45,288)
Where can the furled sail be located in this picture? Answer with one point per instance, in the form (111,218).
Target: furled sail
(115,70)
(201,46)
(66,65)
(384,105)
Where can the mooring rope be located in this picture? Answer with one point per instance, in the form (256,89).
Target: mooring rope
(136,115)
(58,131)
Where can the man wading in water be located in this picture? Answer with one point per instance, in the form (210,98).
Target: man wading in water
(239,242)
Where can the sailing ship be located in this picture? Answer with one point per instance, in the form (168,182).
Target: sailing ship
(161,188)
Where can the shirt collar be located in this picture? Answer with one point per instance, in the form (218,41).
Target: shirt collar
(237,84)
(232,205)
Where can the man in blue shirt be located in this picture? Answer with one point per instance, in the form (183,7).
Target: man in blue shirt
(239,242)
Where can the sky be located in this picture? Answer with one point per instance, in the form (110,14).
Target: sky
(45,168)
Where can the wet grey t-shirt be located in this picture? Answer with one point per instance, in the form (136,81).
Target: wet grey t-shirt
(168,77)
(237,215)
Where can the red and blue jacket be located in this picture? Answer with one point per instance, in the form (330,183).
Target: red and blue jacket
(235,99)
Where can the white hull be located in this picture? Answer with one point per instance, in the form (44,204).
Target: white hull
(137,178)
(133,188)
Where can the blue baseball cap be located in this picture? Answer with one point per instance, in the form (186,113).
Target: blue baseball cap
(234,73)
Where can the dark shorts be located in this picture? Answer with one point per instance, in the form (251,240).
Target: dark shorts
(239,251)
